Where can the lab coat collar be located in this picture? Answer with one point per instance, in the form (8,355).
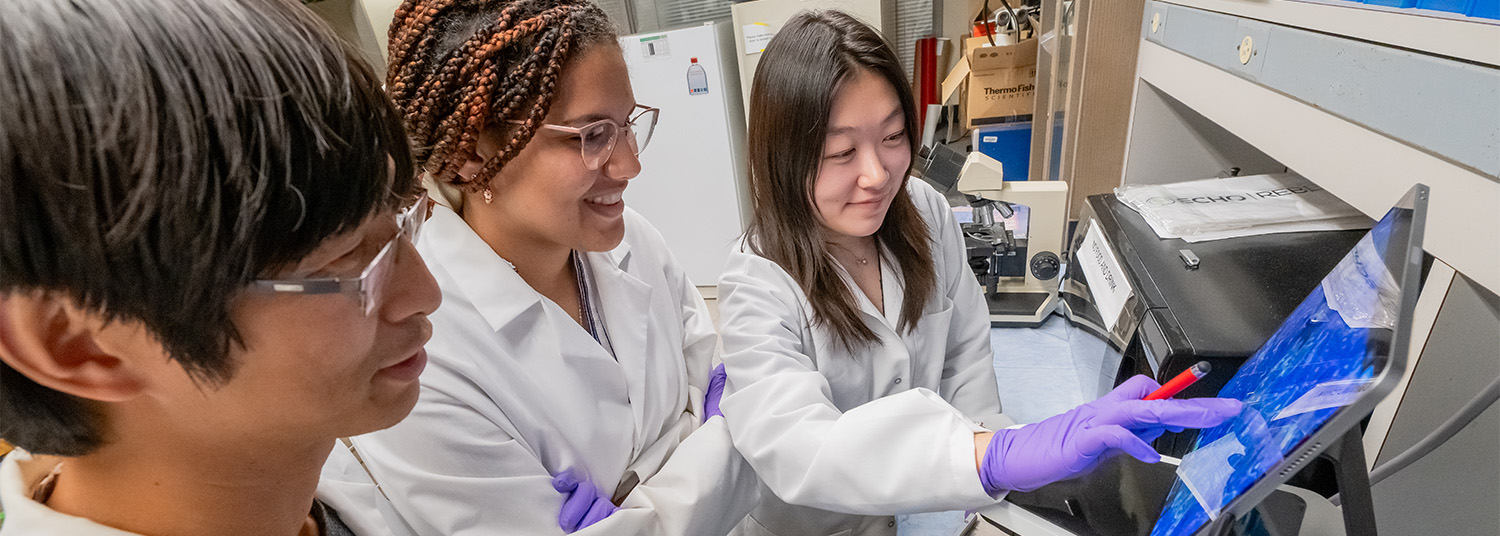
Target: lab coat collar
(489,282)
(619,257)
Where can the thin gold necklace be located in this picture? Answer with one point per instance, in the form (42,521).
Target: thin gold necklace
(862,260)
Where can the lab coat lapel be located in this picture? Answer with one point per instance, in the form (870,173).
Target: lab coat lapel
(891,292)
(535,357)
(626,302)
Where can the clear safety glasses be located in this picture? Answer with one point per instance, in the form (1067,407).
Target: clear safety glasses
(597,139)
(371,282)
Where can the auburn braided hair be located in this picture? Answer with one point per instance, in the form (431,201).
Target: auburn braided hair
(460,67)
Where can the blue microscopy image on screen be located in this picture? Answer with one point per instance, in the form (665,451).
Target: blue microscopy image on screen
(1319,360)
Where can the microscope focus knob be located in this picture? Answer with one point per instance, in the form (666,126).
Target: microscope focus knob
(1045,265)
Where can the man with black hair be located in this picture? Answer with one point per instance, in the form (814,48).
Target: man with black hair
(206,265)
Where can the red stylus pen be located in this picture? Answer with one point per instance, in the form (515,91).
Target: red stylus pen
(1182,381)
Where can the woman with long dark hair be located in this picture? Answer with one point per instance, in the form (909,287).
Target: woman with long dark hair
(571,362)
(856,337)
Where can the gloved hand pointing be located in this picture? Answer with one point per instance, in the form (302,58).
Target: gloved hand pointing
(583,505)
(1060,447)
(715,392)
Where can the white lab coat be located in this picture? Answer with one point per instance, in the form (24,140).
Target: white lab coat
(515,392)
(20,474)
(845,441)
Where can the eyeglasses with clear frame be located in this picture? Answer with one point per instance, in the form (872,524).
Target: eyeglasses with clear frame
(370,285)
(597,140)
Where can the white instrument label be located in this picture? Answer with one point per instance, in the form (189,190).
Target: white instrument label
(1107,282)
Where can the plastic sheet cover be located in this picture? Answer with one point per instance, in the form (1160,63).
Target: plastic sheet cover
(1213,209)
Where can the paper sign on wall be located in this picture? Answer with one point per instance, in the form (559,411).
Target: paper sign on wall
(1106,280)
(756,37)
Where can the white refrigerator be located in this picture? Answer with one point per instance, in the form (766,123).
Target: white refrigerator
(692,185)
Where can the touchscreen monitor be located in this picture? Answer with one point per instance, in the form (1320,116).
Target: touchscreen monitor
(1325,368)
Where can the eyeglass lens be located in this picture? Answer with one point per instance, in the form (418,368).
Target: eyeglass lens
(643,125)
(599,138)
(376,278)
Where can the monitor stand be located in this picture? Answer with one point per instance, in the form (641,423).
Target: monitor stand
(1358,507)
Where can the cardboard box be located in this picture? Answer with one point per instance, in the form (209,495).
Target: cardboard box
(1002,81)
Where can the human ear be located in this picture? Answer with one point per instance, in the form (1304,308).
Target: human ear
(487,145)
(49,339)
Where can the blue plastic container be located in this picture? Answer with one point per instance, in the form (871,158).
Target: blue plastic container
(1451,6)
(1392,3)
(1489,9)
(1010,143)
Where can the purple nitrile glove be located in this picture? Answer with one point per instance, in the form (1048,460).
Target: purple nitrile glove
(1060,447)
(715,392)
(583,505)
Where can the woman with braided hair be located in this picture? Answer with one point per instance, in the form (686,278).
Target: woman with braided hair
(570,362)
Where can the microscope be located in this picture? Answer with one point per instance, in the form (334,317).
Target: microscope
(1014,236)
